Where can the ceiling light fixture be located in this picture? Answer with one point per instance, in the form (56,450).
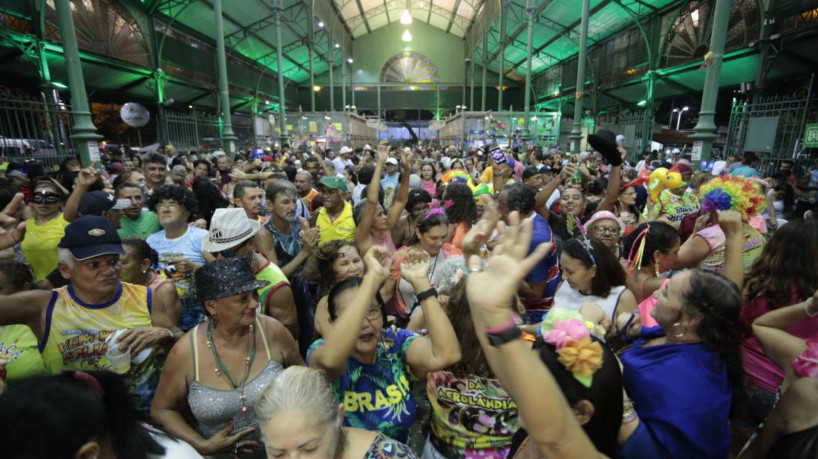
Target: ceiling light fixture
(407,36)
(337,45)
(321,24)
(349,60)
(406,17)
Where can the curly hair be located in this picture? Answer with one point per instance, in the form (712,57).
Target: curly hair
(463,208)
(732,193)
(416,197)
(788,259)
(319,266)
(176,193)
(17,274)
(717,301)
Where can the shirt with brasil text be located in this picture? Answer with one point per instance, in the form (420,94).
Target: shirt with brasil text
(378,396)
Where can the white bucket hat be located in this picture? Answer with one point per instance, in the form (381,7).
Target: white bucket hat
(229,228)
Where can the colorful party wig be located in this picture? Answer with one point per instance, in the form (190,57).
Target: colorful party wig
(457,176)
(732,193)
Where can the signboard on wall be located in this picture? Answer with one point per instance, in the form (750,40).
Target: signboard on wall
(811,135)
(761,134)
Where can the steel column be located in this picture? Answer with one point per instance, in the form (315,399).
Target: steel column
(502,67)
(331,63)
(84,129)
(311,38)
(529,10)
(224,92)
(282,111)
(706,127)
(576,131)
(483,81)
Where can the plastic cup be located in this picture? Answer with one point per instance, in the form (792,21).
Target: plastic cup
(120,361)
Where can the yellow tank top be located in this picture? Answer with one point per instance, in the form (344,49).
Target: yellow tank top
(40,245)
(76,333)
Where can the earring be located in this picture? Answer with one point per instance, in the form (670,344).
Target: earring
(215,321)
(674,330)
(656,268)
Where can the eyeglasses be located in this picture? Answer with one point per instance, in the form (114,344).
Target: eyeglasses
(47,198)
(605,230)
(167,205)
(373,313)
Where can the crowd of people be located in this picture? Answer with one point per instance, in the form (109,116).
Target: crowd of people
(384,302)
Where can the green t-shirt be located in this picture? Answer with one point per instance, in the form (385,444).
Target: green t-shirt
(142,227)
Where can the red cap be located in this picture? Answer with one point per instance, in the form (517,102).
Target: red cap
(682,169)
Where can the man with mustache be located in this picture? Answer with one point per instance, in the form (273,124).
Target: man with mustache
(75,325)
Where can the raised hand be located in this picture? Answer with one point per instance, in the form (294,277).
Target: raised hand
(383,151)
(489,290)
(309,236)
(378,260)
(729,222)
(88,176)
(415,269)
(479,232)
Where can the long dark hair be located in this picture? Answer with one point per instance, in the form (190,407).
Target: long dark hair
(717,302)
(790,258)
(463,208)
(53,416)
(609,273)
(657,235)
(209,197)
(332,305)
(474,360)
(605,394)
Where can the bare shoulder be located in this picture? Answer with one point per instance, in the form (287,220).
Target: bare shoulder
(358,442)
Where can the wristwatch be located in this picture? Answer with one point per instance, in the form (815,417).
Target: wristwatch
(505,333)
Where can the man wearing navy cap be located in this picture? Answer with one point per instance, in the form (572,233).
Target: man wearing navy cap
(74,324)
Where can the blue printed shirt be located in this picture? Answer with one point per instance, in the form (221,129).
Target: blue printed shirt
(546,270)
(378,396)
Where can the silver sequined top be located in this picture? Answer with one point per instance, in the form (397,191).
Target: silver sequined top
(214,408)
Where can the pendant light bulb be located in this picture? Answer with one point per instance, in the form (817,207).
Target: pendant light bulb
(406,17)
(406,35)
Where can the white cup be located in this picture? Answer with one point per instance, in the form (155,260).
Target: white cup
(120,361)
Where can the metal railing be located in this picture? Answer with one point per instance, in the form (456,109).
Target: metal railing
(787,113)
(35,129)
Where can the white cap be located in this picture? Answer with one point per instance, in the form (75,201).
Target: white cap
(368,147)
(392,161)
(345,149)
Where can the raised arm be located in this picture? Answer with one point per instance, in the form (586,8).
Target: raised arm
(329,169)
(362,237)
(771,331)
(86,177)
(549,188)
(731,225)
(399,203)
(26,308)
(12,230)
(440,348)
(549,420)
(341,337)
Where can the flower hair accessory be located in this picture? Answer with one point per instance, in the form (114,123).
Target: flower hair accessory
(433,212)
(570,335)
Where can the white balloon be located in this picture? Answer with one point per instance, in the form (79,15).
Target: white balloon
(134,115)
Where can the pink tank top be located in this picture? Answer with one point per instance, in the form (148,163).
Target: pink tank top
(646,306)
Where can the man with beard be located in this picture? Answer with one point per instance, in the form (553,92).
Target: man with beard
(303,183)
(334,220)
(135,221)
(294,241)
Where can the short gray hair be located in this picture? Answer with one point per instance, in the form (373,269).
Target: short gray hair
(66,257)
(302,388)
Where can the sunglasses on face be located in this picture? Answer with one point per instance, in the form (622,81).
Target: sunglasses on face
(45,198)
